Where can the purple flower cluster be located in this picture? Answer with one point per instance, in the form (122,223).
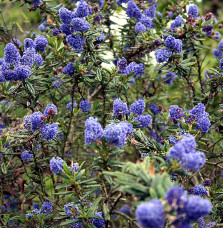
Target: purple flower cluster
(133,11)
(69,105)
(47,207)
(173,44)
(162,55)
(177,23)
(218,53)
(69,69)
(187,208)
(56,165)
(154,109)
(144,121)
(93,130)
(49,131)
(184,151)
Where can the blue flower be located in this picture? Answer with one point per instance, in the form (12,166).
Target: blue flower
(151,214)
(74,168)
(178,46)
(201,222)
(208,29)
(40,43)
(49,131)
(47,207)
(27,123)
(69,69)
(196,207)
(125,209)
(115,134)
(82,9)
(65,15)
(168,79)
(93,130)
(28,43)
(120,108)
(193,10)
(101,37)
(133,11)
(220,45)
(151,12)
(76,42)
(85,106)
(199,190)
(154,109)
(122,64)
(119,2)
(135,69)
(145,121)
(12,55)
(99,223)
(146,21)
(139,27)
(170,42)
(221,64)
(56,165)
(138,107)
(176,197)
(29,215)
(22,72)
(80,25)
(175,113)
(162,55)
(36,120)
(26,156)
(66,29)
(69,105)
(127,128)
(50,110)
(217,53)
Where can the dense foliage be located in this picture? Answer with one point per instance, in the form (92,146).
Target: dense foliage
(111,116)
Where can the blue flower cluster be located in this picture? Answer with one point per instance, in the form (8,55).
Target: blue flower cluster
(36,122)
(193,10)
(56,165)
(74,22)
(93,130)
(144,121)
(170,76)
(133,68)
(16,67)
(187,208)
(26,156)
(218,53)
(69,105)
(177,23)
(46,208)
(138,107)
(154,109)
(184,151)
(197,114)
(57,81)
(120,108)
(151,214)
(69,69)
(199,190)
(116,133)
(72,210)
(85,105)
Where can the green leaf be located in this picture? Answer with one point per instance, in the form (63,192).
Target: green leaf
(94,206)
(62,186)
(4,170)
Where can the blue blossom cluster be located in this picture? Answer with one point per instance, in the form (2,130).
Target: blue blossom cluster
(184,151)
(16,67)
(74,22)
(133,68)
(197,114)
(46,208)
(218,53)
(26,156)
(85,105)
(57,81)
(35,122)
(177,23)
(116,133)
(138,107)
(188,208)
(69,105)
(170,76)
(154,109)
(93,130)
(120,108)
(198,190)
(72,210)
(69,69)
(193,10)
(151,214)
(56,165)
(144,121)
